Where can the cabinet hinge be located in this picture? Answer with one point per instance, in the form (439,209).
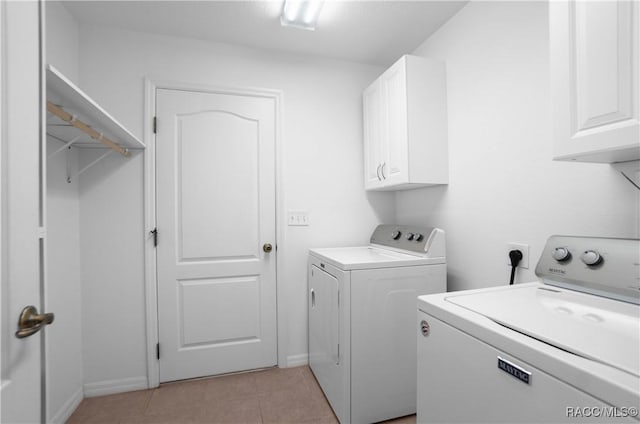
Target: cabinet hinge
(154,233)
(158,351)
(155,125)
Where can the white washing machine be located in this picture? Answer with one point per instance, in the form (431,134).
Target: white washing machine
(565,349)
(362,344)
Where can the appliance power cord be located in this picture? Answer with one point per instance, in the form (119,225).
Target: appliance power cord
(515,256)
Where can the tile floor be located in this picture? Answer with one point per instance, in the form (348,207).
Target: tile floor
(288,395)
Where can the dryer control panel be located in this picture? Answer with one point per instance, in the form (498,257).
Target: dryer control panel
(426,241)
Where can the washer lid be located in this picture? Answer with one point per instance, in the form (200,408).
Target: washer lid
(604,330)
(366,257)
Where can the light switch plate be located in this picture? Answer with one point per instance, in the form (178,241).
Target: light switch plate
(298,218)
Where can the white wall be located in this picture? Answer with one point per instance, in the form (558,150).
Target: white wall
(321,167)
(62,40)
(63,287)
(503,186)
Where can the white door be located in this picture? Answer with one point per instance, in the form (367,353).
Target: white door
(20,378)
(215,181)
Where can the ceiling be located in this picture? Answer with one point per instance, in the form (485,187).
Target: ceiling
(366,31)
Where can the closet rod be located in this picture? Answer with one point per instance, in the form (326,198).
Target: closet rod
(67,117)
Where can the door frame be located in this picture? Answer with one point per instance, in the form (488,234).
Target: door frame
(149,157)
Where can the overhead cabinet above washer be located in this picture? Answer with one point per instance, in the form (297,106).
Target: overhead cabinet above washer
(595,78)
(405,126)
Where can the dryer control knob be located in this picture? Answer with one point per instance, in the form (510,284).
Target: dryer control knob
(591,257)
(418,237)
(396,235)
(561,254)
(410,236)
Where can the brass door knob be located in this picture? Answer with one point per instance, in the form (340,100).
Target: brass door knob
(267,247)
(30,322)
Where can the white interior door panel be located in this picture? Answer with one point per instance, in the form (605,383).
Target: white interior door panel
(215,212)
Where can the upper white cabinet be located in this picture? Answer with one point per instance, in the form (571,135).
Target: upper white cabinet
(595,80)
(405,126)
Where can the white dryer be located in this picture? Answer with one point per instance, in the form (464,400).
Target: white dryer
(362,344)
(565,349)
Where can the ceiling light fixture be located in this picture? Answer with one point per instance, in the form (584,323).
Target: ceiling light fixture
(301,13)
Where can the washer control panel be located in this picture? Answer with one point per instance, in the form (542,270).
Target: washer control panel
(603,266)
(405,237)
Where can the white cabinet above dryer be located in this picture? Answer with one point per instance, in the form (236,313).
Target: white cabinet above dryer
(405,126)
(595,80)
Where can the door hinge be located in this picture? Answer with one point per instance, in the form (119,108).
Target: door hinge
(158,351)
(154,233)
(155,125)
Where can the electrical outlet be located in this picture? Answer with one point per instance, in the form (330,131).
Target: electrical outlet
(298,218)
(524,248)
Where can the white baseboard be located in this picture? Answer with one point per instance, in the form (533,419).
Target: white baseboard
(109,387)
(68,408)
(297,360)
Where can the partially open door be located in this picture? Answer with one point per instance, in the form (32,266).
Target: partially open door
(21,399)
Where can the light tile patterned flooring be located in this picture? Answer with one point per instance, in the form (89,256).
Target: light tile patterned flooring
(287,395)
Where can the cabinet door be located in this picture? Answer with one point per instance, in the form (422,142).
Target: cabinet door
(594,70)
(372,110)
(395,139)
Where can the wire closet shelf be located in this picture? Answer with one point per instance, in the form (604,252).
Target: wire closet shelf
(76,120)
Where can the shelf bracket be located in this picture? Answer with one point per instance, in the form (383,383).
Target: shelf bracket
(66,146)
(77,174)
